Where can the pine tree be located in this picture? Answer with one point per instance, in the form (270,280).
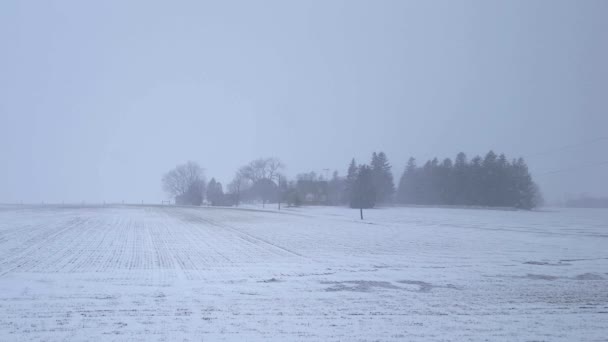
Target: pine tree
(351,176)
(376,173)
(460,179)
(382,177)
(525,189)
(445,182)
(363,194)
(210,190)
(489,179)
(432,193)
(475,193)
(407,193)
(502,181)
(215,193)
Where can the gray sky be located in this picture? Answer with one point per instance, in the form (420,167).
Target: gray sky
(99,99)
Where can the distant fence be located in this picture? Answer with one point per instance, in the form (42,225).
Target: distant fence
(85,203)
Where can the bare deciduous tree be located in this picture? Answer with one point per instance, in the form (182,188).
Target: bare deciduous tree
(263,168)
(185,182)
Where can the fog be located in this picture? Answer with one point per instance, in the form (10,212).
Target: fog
(99,100)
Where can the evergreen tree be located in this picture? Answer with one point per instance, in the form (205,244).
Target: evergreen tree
(430,182)
(351,177)
(525,189)
(382,177)
(489,180)
(407,192)
(475,193)
(460,180)
(363,194)
(502,181)
(211,189)
(215,193)
(445,182)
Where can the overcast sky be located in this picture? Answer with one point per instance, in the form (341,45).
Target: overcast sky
(99,99)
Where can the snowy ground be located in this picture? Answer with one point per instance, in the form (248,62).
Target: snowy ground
(310,274)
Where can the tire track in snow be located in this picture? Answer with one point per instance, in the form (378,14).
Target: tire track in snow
(254,240)
(43,241)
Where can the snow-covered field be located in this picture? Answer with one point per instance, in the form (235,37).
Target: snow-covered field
(312,274)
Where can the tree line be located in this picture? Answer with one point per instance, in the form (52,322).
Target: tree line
(259,180)
(492,181)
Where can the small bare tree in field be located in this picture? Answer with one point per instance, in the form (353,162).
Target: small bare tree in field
(186,183)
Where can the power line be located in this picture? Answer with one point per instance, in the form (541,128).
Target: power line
(565,147)
(573,168)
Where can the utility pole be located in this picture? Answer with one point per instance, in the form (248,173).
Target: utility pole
(279,192)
